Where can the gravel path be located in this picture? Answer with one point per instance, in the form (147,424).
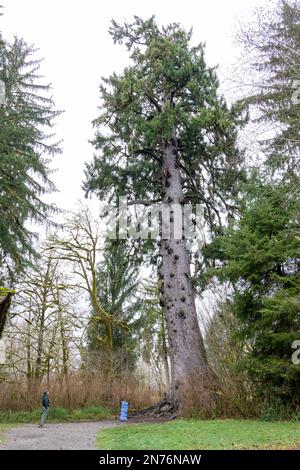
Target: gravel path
(62,436)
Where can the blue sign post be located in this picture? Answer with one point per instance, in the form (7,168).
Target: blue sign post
(124,411)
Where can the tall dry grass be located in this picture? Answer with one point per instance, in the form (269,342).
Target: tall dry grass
(209,397)
(77,390)
(225,391)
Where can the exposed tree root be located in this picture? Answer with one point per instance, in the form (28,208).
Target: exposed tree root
(165,409)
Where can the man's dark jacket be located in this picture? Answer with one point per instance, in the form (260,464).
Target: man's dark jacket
(45,401)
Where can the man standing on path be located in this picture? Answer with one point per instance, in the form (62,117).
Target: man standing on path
(45,406)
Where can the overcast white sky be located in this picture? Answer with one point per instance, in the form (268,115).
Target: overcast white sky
(73,38)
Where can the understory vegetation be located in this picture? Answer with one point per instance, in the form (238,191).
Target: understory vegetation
(59,415)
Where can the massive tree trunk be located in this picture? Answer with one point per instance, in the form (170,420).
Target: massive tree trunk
(186,348)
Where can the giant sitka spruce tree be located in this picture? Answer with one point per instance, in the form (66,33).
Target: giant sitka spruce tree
(165,135)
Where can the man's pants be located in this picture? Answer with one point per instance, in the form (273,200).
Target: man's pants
(44,416)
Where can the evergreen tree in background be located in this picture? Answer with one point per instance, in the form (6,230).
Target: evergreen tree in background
(117,280)
(153,331)
(165,135)
(261,254)
(25,119)
(273,45)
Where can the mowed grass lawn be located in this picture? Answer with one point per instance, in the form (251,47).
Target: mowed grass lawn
(195,434)
(3,428)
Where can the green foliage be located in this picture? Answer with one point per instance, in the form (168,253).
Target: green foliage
(167,86)
(25,118)
(261,253)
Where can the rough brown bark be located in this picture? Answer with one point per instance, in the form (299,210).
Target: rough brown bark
(186,348)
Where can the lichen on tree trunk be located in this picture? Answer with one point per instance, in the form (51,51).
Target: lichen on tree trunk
(5,303)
